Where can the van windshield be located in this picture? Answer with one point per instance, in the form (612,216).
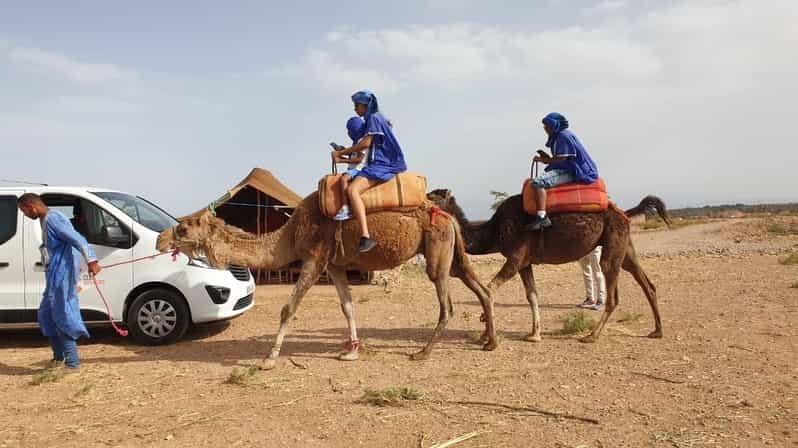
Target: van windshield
(141,210)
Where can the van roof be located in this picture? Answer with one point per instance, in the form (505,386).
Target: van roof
(41,189)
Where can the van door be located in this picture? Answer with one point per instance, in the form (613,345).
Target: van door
(12,273)
(93,222)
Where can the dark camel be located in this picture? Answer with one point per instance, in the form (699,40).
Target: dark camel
(571,237)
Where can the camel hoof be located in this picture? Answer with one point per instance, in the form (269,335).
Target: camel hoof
(532,337)
(490,346)
(589,339)
(349,356)
(268,364)
(656,334)
(419,356)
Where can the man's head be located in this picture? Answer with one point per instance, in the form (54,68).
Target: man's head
(365,103)
(554,122)
(32,205)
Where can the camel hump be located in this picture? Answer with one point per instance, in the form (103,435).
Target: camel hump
(573,197)
(405,191)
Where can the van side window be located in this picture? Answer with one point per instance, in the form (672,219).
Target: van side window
(91,221)
(8,218)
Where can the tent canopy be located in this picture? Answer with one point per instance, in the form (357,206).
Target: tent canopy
(263,181)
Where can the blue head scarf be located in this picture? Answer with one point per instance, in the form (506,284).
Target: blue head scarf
(557,122)
(356,128)
(368,98)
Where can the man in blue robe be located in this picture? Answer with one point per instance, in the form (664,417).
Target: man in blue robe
(62,249)
(385,159)
(569,163)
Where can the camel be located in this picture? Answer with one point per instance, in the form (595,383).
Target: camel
(571,237)
(320,244)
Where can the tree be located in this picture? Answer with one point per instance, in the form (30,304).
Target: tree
(498,198)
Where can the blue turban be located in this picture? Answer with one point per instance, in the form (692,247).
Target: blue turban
(557,122)
(356,128)
(369,99)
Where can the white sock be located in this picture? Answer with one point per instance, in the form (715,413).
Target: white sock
(542,214)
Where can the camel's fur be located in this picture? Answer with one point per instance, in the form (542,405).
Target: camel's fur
(322,244)
(572,236)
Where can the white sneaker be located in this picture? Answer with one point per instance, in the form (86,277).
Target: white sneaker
(343,214)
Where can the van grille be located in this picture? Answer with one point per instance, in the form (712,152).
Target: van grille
(243,302)
(241,273)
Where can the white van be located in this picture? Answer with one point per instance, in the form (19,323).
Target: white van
(157,299)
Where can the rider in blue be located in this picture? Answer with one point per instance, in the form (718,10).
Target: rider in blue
(569,163)
(385,159)
(62,249)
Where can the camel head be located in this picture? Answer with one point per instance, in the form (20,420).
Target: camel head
(202,236)
(444,199)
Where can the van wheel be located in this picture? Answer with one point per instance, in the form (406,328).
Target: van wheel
(158,317)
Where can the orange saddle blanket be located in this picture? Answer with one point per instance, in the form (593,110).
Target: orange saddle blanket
(569,198)
(405,190)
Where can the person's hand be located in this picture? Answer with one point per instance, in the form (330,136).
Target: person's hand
(334,155)
(537,159)
(94,268)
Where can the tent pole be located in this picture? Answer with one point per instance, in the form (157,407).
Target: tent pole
(257,232)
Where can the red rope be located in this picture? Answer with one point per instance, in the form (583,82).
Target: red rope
(435,212)
(122,332)
(173,253)
(351,346)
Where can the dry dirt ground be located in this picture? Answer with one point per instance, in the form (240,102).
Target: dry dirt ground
(725,374)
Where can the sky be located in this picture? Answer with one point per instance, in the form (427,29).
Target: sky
(176,101)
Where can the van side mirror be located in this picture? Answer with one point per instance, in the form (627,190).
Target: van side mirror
(114,235)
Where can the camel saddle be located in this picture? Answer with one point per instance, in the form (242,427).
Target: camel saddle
(569,198)
(405,190)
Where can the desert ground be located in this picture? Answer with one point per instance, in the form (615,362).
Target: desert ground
(725,373)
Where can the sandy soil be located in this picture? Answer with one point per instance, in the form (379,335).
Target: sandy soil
(725,374)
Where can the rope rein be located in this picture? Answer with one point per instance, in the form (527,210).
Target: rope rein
(120,331)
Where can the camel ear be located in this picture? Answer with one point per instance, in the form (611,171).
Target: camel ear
(447,194)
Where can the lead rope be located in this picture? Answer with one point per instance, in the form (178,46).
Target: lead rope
(120,331)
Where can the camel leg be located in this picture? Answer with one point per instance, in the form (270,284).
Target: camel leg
(439,256)
(482,293)
(311,270)
(338,277)
(611,269)
(632,265)
(528,278)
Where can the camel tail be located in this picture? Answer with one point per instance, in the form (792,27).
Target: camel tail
(650,204)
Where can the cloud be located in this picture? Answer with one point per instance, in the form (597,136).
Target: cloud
(647,90)
(604,7)
(50,62)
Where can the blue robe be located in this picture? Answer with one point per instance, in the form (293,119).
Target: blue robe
(60,309)
(385,155)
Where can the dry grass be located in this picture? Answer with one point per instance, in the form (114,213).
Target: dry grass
(49,375)
(577,323)
(242,377)
(783,228)
(392,396)
(790,260)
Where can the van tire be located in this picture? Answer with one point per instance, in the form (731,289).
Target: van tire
(158,317)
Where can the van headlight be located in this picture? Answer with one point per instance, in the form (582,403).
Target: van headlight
(200,263)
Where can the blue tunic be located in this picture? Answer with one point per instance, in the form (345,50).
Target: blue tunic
(580,165)
(386,159)
(60,309)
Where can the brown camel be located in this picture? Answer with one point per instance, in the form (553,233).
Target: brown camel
(323,244)
(572,236)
